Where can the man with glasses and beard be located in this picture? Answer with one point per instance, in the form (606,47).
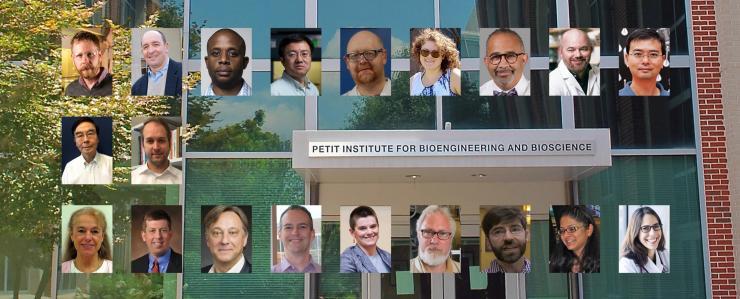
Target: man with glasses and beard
(505,60)
(506,233)
(435,230)
(94,79)
(365,59)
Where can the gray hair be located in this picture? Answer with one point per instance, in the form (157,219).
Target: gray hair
(437,209)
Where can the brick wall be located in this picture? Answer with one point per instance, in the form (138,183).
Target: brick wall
(714,148)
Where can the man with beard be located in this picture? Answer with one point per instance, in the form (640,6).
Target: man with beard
(295,54)
(505,59)
(163,75)
(296,233)
(435,230)
(506,232)
(94,79)
(575,76)
(157,170)
(226,60)
(365,59)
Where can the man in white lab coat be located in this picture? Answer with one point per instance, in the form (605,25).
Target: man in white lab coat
(575,76)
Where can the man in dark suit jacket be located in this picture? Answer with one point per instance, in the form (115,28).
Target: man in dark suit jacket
(226,235)
(157,233)
(246,268)
(155,51)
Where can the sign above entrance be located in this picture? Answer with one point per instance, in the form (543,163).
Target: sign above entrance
(446,148)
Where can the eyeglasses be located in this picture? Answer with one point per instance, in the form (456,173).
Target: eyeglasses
(302,54)
(442,235)
(500,233)
(646,228)
(425,53)
(510,57)
(571,229)
(650,56)
(369,55)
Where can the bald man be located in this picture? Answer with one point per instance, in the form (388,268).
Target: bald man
(163,75)
(226,60)
(365,59)
(575,76)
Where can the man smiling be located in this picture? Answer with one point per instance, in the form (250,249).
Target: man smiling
(163,75)
(156,142)
(644,56)
(505,60)
(506,233)
(226,232)
(156,233)
(296,233)
(575,75)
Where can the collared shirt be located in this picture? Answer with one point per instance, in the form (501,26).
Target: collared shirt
(157,80)
(564,83)
(97,171)
(495,267)
(385,92)
(155,76)
(246,90)
(287,86)
(285,267)
(101,77)
(417,266)
(142,175)
(237,268)
(522,88)
(627,90)
(163,261)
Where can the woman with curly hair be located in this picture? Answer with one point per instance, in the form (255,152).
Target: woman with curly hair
(440,65)
(577,247)
(87,248)
(643,248)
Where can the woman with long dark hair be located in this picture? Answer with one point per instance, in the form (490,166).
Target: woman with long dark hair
(643,247)
(577,244)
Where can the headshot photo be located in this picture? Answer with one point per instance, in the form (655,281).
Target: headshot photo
(296,239)
(366,61)
(156,67)
(159,227)
(87,232)
(87,147)
(226,246)
(644,65)
(365,239)
(435,62)
(226,68)
(155,150)
(434,234)
(87,62)
(296,62)
(574,239)
(505,56)
(574,61)
(643,235)
(505,230)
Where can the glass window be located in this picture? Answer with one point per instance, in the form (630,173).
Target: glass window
(242,14)
(475,112)
(540,282)
(613,15)
(396,112)
(259,123)
(260,183)
(641,122)
(335,14)
(333,284)
(664,180)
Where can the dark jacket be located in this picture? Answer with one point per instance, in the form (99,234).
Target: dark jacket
(172,87)
(353,259)
(247,268)
(104,89)
(141,265)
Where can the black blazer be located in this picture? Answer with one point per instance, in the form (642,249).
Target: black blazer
(173,86)
(247,268)
(141,265)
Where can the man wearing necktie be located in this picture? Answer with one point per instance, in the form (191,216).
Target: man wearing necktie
(157,233)
(506,61)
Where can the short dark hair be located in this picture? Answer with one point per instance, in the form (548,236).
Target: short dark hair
(361,212)
(212,216)
(242,43)
(500,214)
(161,122)
(293,38)
(85,35)
(296,208)
(85,119)
(506,31)
(645,34)
(157,214)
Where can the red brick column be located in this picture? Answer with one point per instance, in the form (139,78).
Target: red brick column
(713,149)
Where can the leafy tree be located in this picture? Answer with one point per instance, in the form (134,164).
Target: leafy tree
(240,137)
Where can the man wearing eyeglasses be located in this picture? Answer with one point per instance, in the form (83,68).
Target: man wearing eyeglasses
(156,233)
(365,59)
(644,56)
(296,233)
(94,79)
(226,60)
(506,233)
(505,60)
(435,231)
(295,54)
(226,234)
(91,167)
(575,75)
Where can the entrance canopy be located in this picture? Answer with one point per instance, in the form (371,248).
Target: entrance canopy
(450,155)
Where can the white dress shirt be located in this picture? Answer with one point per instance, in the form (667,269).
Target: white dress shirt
(97,171)
(143,175)
(386,90)
(237,268)
(522,88)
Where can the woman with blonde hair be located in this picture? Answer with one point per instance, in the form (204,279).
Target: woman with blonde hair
(643,247)
(440,65)
(87,249)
